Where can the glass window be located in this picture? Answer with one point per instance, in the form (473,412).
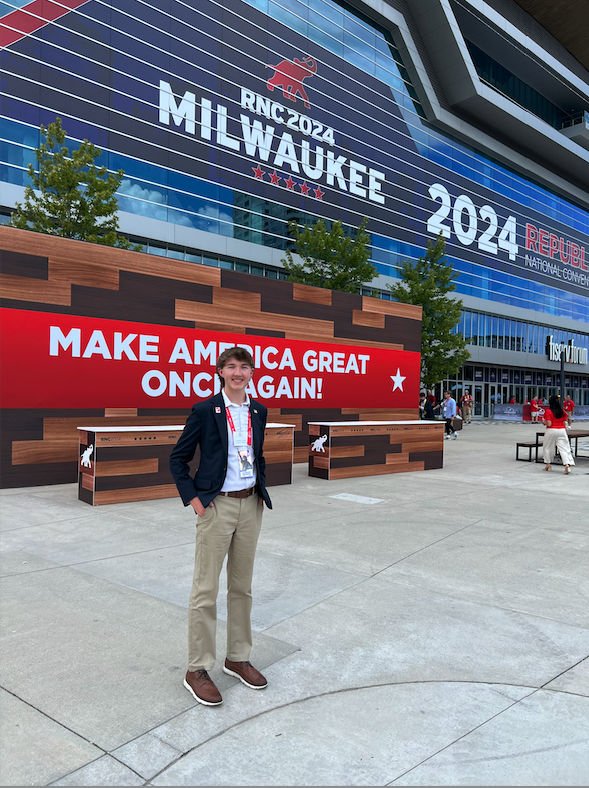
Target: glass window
(325,33)
(481,330)
(212,261)
(460,325)
(228,264)
(16,155)
(358,60)
(13,131)
(243,267)
(142,208)
(175,253)
(142,242)
(474,328)
(291,19)
(160,251)
(500,333)
(193,258)
(142,191)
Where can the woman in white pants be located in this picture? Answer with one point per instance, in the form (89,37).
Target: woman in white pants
(555,420)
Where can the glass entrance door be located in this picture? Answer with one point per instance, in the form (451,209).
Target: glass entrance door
(478,400)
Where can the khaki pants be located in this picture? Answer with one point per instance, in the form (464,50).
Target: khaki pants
(553,438)
(229,528)
(466,411)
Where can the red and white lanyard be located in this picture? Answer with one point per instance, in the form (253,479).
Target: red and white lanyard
(232,425)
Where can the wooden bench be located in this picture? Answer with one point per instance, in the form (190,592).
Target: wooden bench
(530,447)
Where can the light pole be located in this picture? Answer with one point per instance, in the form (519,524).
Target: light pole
(562,354)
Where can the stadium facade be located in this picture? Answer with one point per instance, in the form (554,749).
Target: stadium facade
(231,119)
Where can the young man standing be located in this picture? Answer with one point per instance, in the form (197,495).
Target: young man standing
(569,408)
(466,404)
(228,494)
(449,410)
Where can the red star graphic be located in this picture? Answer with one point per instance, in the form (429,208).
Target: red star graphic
(275,178)
(304,188)
(258,172)
(290,184)
(318,193)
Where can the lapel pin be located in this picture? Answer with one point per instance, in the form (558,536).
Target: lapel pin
(217,410)
(255,411)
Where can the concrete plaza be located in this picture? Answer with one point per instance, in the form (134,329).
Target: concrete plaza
(434,633)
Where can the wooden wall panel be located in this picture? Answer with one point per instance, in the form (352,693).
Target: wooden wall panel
(135,494)
(20,264)
(21,288)
(127,467)
(90,275)
(45,273)
(190,310)
(391,308)
(367,450)
(373,319)
(312,295)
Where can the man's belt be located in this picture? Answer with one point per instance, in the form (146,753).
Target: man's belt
(239,493)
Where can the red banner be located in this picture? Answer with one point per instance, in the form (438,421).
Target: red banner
(65,361)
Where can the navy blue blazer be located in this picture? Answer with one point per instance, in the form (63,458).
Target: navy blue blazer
(208,428)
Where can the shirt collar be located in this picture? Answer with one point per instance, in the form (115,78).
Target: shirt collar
(229,404)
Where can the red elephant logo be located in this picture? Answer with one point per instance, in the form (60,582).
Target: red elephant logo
(289,76)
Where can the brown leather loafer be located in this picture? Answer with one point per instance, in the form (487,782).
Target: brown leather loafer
(202,688)
(246,673)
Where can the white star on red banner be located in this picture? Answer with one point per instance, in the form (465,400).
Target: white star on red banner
(397,380)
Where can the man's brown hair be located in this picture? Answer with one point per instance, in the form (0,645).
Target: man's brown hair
(237,353)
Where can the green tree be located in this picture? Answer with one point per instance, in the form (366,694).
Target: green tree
(75,198)
(426,283)
(331,259)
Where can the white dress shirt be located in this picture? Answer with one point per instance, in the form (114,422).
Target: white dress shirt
(239,414)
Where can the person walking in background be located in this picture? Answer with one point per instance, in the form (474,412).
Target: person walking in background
(422,401)
(449,413)
(554,420)
(534,410)
(428,410)
(569,408)
(227,493)
(466,405)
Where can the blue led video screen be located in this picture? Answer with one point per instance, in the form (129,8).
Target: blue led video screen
(240,100)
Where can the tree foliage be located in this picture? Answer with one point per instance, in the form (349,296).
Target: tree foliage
(75,198)
(426,283)
(331,258)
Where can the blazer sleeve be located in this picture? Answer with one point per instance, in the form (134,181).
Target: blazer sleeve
(261,458)
(182,454)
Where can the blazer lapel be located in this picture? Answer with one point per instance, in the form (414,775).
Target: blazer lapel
(218,404)
(256,428)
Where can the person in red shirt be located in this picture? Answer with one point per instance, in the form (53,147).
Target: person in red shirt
(466,405)
(534,410)
(569,407)
(512,401)
(555,419)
